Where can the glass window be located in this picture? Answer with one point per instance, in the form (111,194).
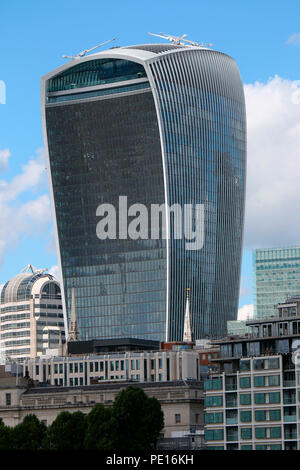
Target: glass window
(275,415)
(274,380)
(259,381)
(245,399)
(246,433)
(260,415)
(245,365)
(274,397)
(273,363)
(245,382)
(213,434)
(259,364)
(8,399)
(246,416)
(275,447)
(260,433)
(213,418)
(246,447)
(213,384)
(261,447)
(216,400)
(275,432)
(177,418)
(259,398)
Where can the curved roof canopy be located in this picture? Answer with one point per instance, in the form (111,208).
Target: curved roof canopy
(20,286)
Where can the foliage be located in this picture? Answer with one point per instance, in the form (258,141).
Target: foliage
(100,424)
(29,434)
(67,431)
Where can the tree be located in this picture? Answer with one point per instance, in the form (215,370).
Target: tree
(67,431)
(29,434)
(5,436)
(138,420)
(100,424)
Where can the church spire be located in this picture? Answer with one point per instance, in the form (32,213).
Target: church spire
(188,336)
(73,327)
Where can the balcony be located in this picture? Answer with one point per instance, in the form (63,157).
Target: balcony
(290,435)
(232,436)
(289,383)
(230,387)
(233,420)
(289,400)
(290,418)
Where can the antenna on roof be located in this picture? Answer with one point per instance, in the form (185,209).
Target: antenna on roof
(180,40)
(83,53)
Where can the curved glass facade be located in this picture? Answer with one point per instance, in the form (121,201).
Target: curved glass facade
(177,137)
(202,113)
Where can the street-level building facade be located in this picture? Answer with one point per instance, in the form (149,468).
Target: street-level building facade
(156,124)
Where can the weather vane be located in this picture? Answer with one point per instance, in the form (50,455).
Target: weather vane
(83,53)
(180,40)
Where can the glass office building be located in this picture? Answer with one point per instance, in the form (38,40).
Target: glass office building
(160,124)
(276,277)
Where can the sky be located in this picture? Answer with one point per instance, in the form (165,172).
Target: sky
(262,36)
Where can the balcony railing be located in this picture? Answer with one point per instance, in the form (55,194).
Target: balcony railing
(232,437)
(289,383)
(289,400)
(290,435)
(290,418)
(232,420)
(230,387)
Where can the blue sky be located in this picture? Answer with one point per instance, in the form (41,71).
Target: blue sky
(35,34)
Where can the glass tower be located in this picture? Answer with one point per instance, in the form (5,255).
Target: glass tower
(160,124)
(276,277)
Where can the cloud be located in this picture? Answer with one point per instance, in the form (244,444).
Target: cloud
(245,312)
(294,39)
(23,213)
(55,272)
(4,156)
(273,195)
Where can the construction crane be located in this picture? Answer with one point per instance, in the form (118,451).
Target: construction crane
(180,40)
(86,51)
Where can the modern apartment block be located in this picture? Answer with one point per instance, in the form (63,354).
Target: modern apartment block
(160,125)
(146,366)
(276,277)
(31,316)
(254,402)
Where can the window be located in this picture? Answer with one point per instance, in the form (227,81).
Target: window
(213,384)
(275,447)
(132,362)
(259,398)
(246,416)
(259,364)
(37,371)
(246,433)
(259,381)
(245,399)
(160,377)
(81,367)
(260,433)
(213,434)
(245,365)
(55,368)
(112,365)
(71,367)
(60,368)
(152,364)
(245,382)
(216,400)
(91,367)
(177,418)
(212,418)
(8,399)
(246,447)
(260,415)
(274,380)
(274,397)
(76,367)
(261,447)
(160,363)
(273,363)
(275,432)
(275,415)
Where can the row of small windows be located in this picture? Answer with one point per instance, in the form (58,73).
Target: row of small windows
(245,416)
(245,399)
(245,433)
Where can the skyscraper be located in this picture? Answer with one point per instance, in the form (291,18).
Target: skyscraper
(155,124)
(276,277)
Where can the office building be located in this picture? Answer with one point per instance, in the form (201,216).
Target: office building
(254,402)
(31,316)
(276,277)
(150,125)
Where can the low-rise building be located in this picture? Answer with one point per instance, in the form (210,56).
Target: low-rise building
(138,366)
(181,402)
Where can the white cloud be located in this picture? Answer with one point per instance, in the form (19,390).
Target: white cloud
(22,219)
(273,194)
(294,39)
(55,272)
(4,156)
(245,312)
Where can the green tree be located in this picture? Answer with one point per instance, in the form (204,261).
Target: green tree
(100,424)
(138,420)
(67,432)
(5,436)
(29,434)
